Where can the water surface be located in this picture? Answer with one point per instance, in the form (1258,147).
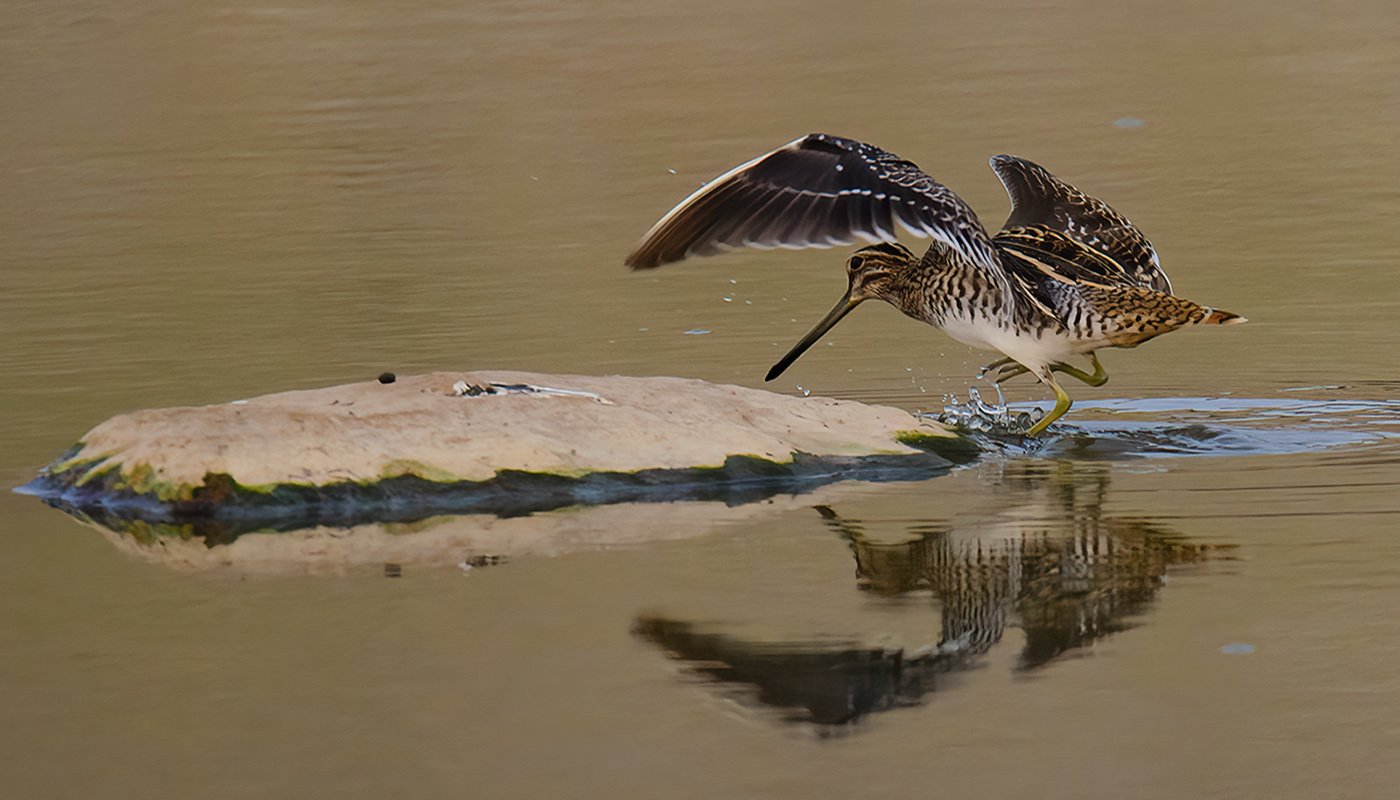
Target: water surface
(1190,591)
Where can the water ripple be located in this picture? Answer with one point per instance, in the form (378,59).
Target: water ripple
(1177,426)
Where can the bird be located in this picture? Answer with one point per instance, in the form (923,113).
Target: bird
(1065,276)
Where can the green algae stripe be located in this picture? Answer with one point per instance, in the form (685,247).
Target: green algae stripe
(957,449)
(408,466)
(71,458)
(221,509)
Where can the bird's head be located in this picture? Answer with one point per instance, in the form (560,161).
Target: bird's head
(871,271)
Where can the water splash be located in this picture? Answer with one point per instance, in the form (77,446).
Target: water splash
(984,417)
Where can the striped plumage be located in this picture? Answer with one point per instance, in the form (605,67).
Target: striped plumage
(1066,275)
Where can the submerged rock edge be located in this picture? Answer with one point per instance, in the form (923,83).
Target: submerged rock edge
(220,509)
(411,449)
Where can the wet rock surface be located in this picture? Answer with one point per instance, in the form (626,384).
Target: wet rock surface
(502,443)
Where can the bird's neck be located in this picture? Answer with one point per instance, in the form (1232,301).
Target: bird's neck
(954,288)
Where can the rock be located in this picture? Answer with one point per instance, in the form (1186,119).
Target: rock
(504,443)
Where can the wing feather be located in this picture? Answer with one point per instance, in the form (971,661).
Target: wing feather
(816,191)
(1040,199)
(1061,257)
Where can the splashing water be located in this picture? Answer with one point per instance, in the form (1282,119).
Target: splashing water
(979,415)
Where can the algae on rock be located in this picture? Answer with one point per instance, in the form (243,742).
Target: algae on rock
(416,447)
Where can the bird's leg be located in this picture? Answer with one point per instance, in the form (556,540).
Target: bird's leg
(1010,371)
(1099,378)
(1000,362)
(1062,403)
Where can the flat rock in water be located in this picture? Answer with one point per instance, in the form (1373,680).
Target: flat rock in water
(484,442)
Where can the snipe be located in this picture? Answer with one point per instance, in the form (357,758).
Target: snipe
(1065,276)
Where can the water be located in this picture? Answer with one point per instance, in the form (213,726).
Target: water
(1189,590)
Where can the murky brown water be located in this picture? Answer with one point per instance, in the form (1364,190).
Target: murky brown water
(208,201)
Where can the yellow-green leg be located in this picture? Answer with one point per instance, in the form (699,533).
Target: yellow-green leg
(1099,378)
(1008,371)
(1062,404)
(1000,362)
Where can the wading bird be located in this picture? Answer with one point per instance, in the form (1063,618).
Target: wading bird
(1065,276)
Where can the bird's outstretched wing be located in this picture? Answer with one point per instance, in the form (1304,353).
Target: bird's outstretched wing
(817,191)
(1040,199)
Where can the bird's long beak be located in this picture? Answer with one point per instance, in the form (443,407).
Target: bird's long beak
(842,308)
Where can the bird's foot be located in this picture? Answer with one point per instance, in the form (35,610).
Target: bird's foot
(1062,404)
(1010,371)
(1000,362)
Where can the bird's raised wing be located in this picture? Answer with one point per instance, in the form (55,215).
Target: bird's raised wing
(1040,199)
(1039,252)
(817,191)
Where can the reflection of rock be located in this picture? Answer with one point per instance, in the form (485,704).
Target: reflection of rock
(417,446)
(443,541)
(407,500)
(1046,560)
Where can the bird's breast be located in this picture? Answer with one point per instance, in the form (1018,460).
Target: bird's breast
(1031,346)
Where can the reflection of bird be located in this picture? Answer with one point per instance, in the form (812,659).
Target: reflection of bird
(1045,559)
(1065,276)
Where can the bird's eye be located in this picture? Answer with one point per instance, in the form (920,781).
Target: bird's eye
(855,262)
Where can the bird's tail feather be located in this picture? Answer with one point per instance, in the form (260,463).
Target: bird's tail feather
(1214,317)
